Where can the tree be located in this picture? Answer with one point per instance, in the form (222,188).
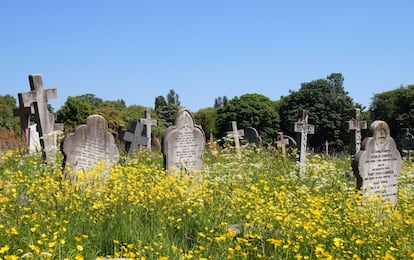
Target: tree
(166,110)
(206,118)
(220,102)
(250,110)
(329,106)
(396,107)
(7,120)
(74,112)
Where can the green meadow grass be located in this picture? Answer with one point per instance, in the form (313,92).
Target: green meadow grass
(252,206)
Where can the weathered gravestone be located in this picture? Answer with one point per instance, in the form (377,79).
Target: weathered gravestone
(281,142)
(235,134)
(134,137)
(34,140)
(24,112)
(148,122)
(302,127)
(45,120)
(355,125)
(87,146)
(183,144)
(252,136)
(378,163)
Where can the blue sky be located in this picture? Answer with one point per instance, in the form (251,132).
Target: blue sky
(137,50)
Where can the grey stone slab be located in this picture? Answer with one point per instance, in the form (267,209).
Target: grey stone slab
(148,122)
(252,136)
(88,145)
(355,125)
(134,137)
(183,144)
(304,128)
(378,163)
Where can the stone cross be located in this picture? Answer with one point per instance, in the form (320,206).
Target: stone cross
(148,122)
(24,111)
(236,134)
(302,127)
(134,136)
(45,120)
(282,142)
(355,125)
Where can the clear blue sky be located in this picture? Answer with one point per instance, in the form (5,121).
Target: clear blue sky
(137,50)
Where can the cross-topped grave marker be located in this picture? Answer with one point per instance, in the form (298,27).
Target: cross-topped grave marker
(148,122)
(302,127)
(282,142)
(235,134)
(45,120)
(24,111)
(134,136)
(355,125)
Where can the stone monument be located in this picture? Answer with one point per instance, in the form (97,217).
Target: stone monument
(355,125)
(87,146)
(148,122)
(302,127)
(378,163)
(252,136)
(183,144)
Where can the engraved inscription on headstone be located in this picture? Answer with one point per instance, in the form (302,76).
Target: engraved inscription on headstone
(88,145)
(378,163)
(183,144)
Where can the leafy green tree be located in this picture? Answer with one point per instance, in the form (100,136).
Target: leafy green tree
(7,120)
(92,99)
(329,107)
(74,112)
(207,117)
(166,108)
(250,110)
(396,107)
(220,102)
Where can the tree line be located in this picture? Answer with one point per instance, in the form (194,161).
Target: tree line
(328,103)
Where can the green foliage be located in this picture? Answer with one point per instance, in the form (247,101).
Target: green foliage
(207,119)
(329,106)
(7,120)
(74,112)
(396,107)
(250,110)
(167,110)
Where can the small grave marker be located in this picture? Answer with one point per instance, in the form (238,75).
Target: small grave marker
(134,137)
(88,145)
(252,136)
(24,111)
(45,120)
(302,127)
(183,144)
(148,122)
(355,125)
(282,142)
(378,163)
(235,134)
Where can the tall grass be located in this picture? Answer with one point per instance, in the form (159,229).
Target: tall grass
(255,206)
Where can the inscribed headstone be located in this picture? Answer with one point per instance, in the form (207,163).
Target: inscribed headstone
(89,145)
(252,136)
(378,163)
(183,144)
(45,120)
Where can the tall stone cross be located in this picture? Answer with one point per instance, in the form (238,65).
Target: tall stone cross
(148,122)
(134,136)
(355,125)
(282,142)
(45,120)
(24,111)
(302,127)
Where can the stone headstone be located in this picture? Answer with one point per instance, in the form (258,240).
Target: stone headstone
(134,137)
(252,136)
(378,163)
(302,127)
(183,144)
(34,139)
(355,125)
(148,122)
(45,120)
(281,142)
(24,111)
(87,146)
(235,134)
